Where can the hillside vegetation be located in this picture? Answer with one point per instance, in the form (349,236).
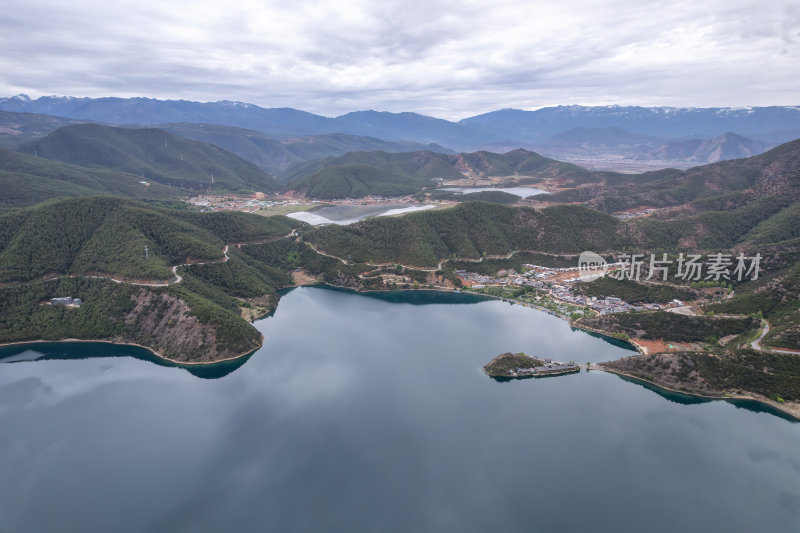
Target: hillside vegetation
(152,154)
(750,202)
(73,247)
(672,326)
(468,230)
(274,156)
(356,181)
(718,186)
(27,180)
(375,172)
(18,128)
(631,291)
(776,297)
(506,127)
(109,236)
(728,372)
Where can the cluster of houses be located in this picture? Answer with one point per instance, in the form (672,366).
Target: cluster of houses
(609,304)
(549,367)
(532,276)
(251,203)
(67,301)
(541,278)
(234,202)
(626,215)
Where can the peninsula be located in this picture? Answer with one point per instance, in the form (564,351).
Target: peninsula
(520,366)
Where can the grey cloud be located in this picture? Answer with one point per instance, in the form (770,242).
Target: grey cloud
(441,57)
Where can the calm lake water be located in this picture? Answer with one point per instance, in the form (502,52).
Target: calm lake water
(522,192)
(344,215)
(371,413)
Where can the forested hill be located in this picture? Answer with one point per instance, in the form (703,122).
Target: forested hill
(277,155)
(27,180)
(357,174)
(18,128)
(767,174)
(744,202)
(75,247)
(469,230)
(507,126)
(108,236)
(476,228)
(152,154)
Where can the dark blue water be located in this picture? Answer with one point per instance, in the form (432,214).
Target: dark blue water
(371,414)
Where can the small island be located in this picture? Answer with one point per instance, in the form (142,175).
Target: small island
(520,366)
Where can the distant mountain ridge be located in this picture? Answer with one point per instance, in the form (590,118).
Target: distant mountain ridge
(724,147)
(506,127)
(18,128)
(27,180)
(667,122)
(614,141)
(357,174)
(153,154)
(610,136)
(760,184)
(276,155)
(275,122)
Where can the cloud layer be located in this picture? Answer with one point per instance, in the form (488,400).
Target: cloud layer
(447,58)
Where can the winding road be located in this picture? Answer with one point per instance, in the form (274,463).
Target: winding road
(179,278)
(756,344)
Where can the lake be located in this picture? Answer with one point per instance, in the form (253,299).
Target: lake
(344,215)
(522,192)
(371,413)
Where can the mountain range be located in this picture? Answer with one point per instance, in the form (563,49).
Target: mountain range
(357,174)
(90,158)
(661,122)
(616,142)
(760,186)
(724,147)
(19,128)
(185,283)
(153,154)
(138,157)
(27,180)
(277,155)
(498,130)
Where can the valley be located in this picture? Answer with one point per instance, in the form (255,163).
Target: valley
(507,226)
(452,267)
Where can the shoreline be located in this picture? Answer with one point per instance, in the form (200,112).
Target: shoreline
(634,344)
(575,325)
(596,366)
(755,398)
(535,376)
(196,364)
(148,349)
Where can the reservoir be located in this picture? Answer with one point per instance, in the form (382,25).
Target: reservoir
(371,413)
(522,192)
(344,215)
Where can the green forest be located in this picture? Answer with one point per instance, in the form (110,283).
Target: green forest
(469,230)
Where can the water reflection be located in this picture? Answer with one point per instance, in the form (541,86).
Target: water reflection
(363,415)
(324,296)
(419,297)
(689,399)
(611,340)
(55,351)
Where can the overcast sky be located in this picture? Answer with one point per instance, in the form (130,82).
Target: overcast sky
(444,58)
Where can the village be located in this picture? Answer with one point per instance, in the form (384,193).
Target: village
(558,284)
(281,204)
